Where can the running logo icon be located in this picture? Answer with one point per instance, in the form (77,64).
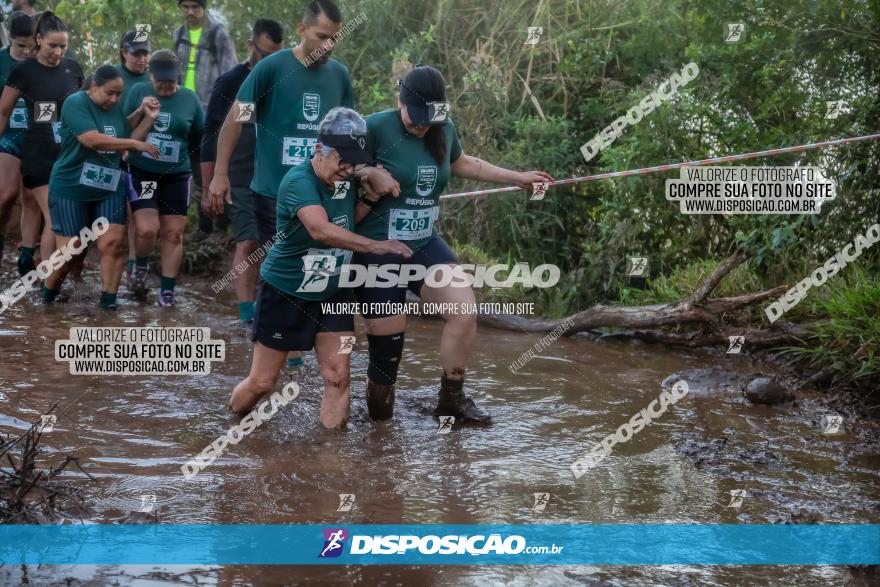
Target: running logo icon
(438,111)
(162,122)
(148,189)
(539,189)
(346,345)
(346,502)
(734,32)
(446,423)
(141,33)
(341,190)
(736,498)
(541,501)
(245,112)
(833,108)
(148,502)
(47,423)
(736,344)
(831,423)
(426,179)
(535,33)
(44,111)
(317,270)
(311,106)
(638,266)
(334,539)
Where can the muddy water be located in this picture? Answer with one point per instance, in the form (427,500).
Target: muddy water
(133,433)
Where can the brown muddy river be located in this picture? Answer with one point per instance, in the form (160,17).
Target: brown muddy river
(133,433)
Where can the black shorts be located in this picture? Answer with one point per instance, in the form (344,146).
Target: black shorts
(35,170)
(287,323)
(171,197)
(435,252)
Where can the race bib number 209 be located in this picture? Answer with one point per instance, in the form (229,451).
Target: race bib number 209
(407,225)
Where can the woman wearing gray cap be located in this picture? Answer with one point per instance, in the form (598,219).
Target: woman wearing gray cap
(316,218)
(418,144)
(159,192)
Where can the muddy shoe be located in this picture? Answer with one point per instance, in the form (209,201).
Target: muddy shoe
(166,298)
(380,400)
(138,283)
(453,402)
(25,263)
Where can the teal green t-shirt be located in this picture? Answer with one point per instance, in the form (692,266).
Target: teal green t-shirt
(130,79)
(177,130)
(409,218)
(86,174)
(291,100)
(296,249)
(18,122)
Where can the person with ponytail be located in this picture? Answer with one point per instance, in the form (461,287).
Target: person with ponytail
(44,83)
(417,143)
(21,47)
(87,182)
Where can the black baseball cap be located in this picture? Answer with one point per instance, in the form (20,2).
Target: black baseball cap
(164,66)
(129,46)
(352,148)
(424,110)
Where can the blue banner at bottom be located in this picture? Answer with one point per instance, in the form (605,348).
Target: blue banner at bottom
(415,544)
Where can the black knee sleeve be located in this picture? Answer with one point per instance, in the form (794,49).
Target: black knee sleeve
(385,354)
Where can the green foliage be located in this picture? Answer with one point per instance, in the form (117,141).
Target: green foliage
(848,339)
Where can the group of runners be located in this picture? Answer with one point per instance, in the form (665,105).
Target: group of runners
(283,152)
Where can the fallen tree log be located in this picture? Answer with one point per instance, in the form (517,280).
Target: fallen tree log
(643,321)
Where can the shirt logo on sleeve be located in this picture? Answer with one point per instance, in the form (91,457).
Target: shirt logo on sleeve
(163,122)
(311,106)
(426,180)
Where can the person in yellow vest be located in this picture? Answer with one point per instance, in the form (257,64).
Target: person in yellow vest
(205,51)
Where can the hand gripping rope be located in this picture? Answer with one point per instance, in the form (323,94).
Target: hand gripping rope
(657,168)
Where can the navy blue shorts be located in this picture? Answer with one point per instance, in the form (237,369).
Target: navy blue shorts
(69,216)
(171,196)
(287,323)
(435,252)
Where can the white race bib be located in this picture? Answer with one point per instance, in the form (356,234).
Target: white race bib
(297,149)
(19,118)
(409,225)
(169,151)
(102,178)
(56,132)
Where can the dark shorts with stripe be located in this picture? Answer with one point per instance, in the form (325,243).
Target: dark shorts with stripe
(171,196)
(287,323)
(69,216)
(435,252)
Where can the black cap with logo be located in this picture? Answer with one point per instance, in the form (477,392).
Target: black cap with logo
(129,45)
(352,148)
